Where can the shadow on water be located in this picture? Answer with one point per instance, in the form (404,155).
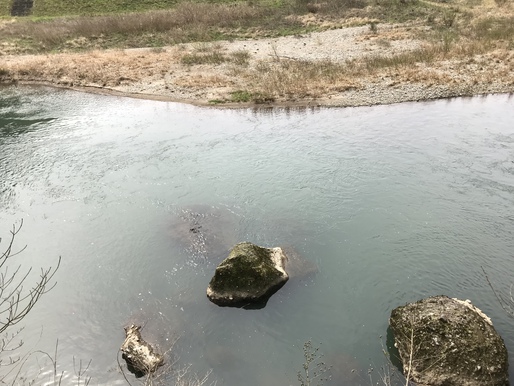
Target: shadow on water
(256,305)
(392,351)
(14,119)
(13,126)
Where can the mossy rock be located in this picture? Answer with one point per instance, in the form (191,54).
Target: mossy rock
(248,276)
(449,342)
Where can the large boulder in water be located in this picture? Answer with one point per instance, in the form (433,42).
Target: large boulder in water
(449,342)
(248,276)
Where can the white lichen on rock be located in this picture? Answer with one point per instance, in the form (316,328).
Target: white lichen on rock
(140,356)
(468,304)
(444,341)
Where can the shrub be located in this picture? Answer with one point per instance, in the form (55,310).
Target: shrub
(241,96)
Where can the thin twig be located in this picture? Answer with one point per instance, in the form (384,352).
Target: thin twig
(411,353)
(121,368)
(503,304)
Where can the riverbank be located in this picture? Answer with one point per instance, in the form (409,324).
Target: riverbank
(338,66)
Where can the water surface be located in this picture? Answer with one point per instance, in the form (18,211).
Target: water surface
(393,203)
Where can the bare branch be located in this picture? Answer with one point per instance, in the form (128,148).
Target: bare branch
(81,372)
(8,252)
(503,303)
(407,378)
(121,368)
(15,302)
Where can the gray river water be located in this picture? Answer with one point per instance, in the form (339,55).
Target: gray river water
(392,203)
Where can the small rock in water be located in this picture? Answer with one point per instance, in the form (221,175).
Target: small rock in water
(140,356)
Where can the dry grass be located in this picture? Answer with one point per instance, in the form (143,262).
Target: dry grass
(457,36)
(437,62)
(333,8)
(240,58)
(196,21)
(213,54)
(425,54)
(291,79)
(474,73)
(101,68)
(202,81)
(463,44)
(214,57)
(446,58)
(187,22)
(493,28)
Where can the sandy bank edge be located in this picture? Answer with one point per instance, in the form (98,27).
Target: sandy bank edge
(359,98)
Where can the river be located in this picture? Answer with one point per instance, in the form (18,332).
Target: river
(392,203)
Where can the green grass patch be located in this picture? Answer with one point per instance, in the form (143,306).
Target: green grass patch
(217,101)
(56,8)
(96,7)
(241,96)
(5,8)
(245,96)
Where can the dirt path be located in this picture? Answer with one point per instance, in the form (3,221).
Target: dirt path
(291,70)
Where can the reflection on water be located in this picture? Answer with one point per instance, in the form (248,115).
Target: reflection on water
(388,203)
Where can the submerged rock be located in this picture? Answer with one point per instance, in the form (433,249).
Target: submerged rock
(248,276)
(449,342)
(297,267)
(140,356)
(345,371)
(206,233)
(222,358)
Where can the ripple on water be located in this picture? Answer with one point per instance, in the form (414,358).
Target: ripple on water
(392,204)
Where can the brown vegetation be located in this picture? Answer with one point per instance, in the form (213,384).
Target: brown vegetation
(460,46)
